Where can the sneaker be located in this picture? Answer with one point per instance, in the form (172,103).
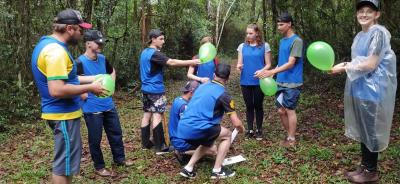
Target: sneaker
(103,172)
(165,150)
(147,146)
(249,134)
(224,173)
(185,173)
(125,163)
(259,135)
(183,159)
(365,176)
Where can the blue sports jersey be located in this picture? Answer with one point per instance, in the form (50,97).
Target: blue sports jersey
(90,67)
(205,110)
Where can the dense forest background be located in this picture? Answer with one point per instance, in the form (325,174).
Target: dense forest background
(126,23)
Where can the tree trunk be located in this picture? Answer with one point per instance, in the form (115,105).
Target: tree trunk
(209,9)
(227,15)
(274,15)
(145,21)
(87,11)
(71,4)
(253,12)
(217,21)
(264,18)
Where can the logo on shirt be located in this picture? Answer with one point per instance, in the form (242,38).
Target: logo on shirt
(232,104)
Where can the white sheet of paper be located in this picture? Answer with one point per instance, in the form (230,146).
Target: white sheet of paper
(233,160)
(280,98)
(234,134)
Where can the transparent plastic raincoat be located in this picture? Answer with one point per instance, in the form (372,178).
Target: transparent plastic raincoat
(370,90)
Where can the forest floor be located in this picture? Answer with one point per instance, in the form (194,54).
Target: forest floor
(322,154)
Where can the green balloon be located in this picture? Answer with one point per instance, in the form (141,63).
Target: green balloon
(268,86)
(321,55)
(207,52)
(108,83)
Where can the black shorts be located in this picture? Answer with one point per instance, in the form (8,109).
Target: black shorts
(210,135)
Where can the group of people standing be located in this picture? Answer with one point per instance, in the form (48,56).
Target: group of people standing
(68,86)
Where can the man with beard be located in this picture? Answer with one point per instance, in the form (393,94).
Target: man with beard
(54,72)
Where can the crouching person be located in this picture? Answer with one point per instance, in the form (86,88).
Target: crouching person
(200,124)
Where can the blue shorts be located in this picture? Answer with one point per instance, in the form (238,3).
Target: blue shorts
(67,146)
(210,135)
(181,145)
(290,97)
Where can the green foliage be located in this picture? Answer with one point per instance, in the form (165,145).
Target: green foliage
(17,105)
(319,153)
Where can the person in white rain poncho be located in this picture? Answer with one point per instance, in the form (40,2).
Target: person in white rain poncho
(370,90)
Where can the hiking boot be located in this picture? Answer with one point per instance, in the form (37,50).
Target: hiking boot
(145,137)
(185,173)
(365,176)
(224,173)
(355,172)
(259,135)
(249,134)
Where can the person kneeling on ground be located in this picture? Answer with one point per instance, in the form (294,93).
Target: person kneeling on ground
(200,124)
(177,109)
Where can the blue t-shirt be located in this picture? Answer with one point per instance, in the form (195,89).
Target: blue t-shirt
(90,67)
(51,60)
(177,109)
(253,60)
(294,74)
(152,64)
(205,110)
(206,69)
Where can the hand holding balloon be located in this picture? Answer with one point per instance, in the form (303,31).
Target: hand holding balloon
(196,61)
(339,68)
(107,85)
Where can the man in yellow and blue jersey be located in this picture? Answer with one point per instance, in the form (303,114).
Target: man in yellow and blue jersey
(54,71)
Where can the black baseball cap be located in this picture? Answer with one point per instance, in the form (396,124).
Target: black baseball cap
(71,17)
(190,86)
(155,33)
(223,70)
(285,17)
(374,4)
(94,35)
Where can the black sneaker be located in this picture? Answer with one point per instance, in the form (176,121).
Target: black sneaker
(147,146)
(224,173)
(249,134)
(259,135)
(165,150)
(185,173)
(183,159)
